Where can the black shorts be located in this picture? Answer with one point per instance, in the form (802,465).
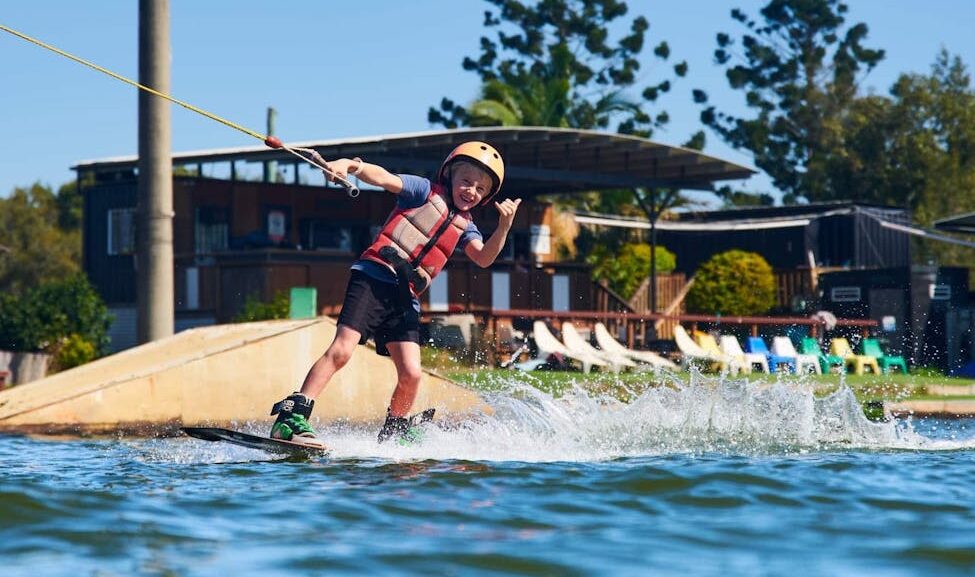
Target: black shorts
(376,309)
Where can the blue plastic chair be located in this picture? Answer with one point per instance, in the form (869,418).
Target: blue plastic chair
(757,345)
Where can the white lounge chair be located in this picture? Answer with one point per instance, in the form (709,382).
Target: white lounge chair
(607,343)
(731,347)
(783,347)
(548,345)
(578,345)
(693,353)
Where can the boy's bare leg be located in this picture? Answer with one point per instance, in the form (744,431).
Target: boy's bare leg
(406,358)
(334,358)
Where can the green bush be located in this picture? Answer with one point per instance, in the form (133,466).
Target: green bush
(257,310)
(74,350)
(628,269)
(733,283)
(45,315)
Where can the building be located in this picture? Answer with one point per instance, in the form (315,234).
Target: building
(237,236)
(823,235)
(798,241)
(923,312)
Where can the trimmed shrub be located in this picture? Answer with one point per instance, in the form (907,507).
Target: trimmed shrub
(735,282)
(257,310)
(73,351)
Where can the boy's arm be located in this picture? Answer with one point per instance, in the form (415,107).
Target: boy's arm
(484,253)
(371,173)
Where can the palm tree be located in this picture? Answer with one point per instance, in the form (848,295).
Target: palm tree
(543,96)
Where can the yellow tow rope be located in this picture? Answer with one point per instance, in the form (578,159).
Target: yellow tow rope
(273,142)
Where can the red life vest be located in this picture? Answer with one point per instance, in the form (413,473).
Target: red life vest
(410,230)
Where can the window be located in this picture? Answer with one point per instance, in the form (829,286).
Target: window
(192,288)
(939,292)
(845,294)
(121,231)
(560,292)
(211,229)
(501,291)
(516,247)
(541,239)
(438,293)
(329,235)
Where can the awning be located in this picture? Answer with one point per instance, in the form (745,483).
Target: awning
(539,160)
(959,223)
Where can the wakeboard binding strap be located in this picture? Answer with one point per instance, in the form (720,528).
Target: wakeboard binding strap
(294,404)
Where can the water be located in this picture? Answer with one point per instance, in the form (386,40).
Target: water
(716,478)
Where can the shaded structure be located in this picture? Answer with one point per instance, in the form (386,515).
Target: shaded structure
(238,235)
(963,223)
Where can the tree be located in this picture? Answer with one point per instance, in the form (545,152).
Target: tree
(914,149)
(40,236)
(559,67)
(626,269)
(799,68)
(734,282)
(63,315)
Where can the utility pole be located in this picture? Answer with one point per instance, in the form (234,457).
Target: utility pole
(271,166)
(154,212)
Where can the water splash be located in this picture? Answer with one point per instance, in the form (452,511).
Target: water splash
(665,415)
(705,415)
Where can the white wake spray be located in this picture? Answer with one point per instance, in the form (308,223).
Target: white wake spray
(667,415)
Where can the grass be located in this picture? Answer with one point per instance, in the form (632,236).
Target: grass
(871,390)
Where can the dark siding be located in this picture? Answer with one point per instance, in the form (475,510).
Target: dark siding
(903,292)
(783,248)
(855,240)
(112,276)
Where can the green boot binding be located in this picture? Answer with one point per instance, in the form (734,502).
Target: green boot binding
(407,429)
(292,422)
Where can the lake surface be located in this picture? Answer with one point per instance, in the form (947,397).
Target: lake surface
(716,478)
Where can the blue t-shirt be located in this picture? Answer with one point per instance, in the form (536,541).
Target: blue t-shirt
(416,190)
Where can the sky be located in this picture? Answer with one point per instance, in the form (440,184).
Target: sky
(335,69)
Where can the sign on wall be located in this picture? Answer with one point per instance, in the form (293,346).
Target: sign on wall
(276,228)
(541,239)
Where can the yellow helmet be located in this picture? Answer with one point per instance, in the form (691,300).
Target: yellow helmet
(481,154)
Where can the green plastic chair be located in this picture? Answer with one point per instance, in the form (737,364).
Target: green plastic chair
(810,346)
(872,347)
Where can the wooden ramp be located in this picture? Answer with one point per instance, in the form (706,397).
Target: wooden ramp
(221,375)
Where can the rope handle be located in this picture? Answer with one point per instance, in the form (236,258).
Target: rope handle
(311,156)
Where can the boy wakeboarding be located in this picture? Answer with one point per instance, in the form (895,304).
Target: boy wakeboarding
(381,301)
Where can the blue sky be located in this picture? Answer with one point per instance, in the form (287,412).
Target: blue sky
(336,69)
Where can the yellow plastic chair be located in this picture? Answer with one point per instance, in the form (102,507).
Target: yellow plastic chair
(694,354)
(840,347)
(735,363)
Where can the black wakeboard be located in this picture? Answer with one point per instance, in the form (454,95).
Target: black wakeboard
(276,446)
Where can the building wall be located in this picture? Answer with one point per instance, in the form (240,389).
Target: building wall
(852,239)
(112,275)
(213,281)
(917,299)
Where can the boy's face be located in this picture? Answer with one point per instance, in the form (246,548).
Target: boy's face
(469,185)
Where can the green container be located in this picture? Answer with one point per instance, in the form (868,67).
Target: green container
(303,301)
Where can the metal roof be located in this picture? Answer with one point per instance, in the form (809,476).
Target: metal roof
(957,223)
(539,160)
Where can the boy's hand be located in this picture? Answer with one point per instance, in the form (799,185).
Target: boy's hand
(507,209)
(340,167)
